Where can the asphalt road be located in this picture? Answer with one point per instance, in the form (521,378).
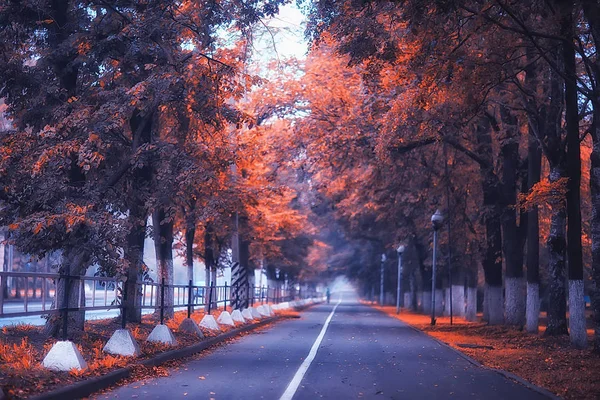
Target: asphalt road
(363,354)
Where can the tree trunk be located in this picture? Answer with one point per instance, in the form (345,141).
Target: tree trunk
(241,291)
(73,265)
(5,268)
(134,254)
(190,234)
(557,309)
(163,244)
(595,227)
(425,275)
(471,301)
(209,261)
(591,10)
(492,259)
(414,303)
(511,243)
(471,277)
(533,241)
(574,251)
(245,264)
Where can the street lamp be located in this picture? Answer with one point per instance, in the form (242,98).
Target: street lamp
(437,219)
(400,250)
(381,280)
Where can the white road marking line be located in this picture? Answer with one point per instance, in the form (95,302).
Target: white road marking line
(295,382)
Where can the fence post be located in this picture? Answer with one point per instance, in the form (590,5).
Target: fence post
(250,291)
(215,294)
(190,298)
(267,301)
(225,297)
(2,290)
(65,313)
(162,301)
(123,305)
(210,296)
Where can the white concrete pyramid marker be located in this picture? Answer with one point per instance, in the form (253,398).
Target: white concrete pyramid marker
(247,314)
(262,311)
(162,334)
(284,306)
(64,356)
(255,313)
(122,343)
(209,322)
(271,311)
(237,316)
(225,319)
(188,325)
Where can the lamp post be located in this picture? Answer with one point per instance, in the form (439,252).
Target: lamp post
(436,221)
(400,250)
(381,280)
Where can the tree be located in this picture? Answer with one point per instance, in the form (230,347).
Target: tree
(113,73)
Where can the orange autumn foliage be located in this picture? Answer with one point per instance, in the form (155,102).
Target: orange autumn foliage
(17,357)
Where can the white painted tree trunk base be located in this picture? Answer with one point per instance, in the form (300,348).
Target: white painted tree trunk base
(514,304)
(408,300)
(532,317)
(439,302)
(495,304)
(471,312)
(458,300)
(577,328)
(447,302)
(486,308)
(426,302)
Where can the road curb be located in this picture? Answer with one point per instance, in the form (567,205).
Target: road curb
(89,386)
(505,374)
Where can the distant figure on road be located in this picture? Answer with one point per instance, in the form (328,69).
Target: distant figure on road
(328,294)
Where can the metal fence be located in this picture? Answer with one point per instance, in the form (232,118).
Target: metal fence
(29,294)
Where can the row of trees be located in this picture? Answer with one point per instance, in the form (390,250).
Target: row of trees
(125,111)
(488,110)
